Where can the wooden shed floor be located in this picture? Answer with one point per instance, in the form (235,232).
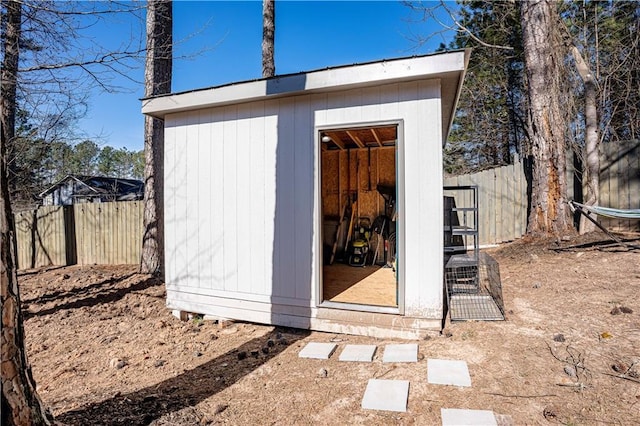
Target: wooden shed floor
(371,285)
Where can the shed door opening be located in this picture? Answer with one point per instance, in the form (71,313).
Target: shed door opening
(358,192)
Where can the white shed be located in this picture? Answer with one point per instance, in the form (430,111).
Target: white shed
(312,200)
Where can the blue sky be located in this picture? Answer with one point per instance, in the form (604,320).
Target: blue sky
(218,42)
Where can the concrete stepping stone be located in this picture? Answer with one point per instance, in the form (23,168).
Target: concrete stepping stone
(358,353)
(401,353)
(448,372)
(317,350)
(387,395)
(457,417)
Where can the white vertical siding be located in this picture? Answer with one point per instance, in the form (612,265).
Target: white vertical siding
(215,192)
(244,214)
(241,191)
(423,201)
(256,244)
(170,176)
(303,176)
(271,255)
(176,199)
(371,101)
(284,247)
(317,114)
(229,199)
(206,194)
(335,112)
(219,216)
(191,188)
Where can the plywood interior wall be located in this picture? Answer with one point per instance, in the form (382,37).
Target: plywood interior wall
(344,178)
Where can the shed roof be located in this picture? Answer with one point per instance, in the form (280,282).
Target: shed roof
(449,67)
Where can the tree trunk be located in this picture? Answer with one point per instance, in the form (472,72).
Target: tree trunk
(591,176)
(268,37)
(543,66)
(157,82)
(21,404)
(592,147)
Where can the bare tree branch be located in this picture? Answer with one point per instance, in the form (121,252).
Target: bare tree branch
(429,14)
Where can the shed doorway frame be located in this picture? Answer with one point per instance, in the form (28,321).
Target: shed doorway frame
(400,221)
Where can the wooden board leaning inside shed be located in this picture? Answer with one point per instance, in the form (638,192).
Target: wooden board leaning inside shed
(358,177)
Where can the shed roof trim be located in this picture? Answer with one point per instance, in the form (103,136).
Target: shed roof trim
(339,78)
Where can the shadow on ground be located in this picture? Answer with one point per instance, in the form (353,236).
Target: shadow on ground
(106,291)
(187,389)
(624,245)
(36,271)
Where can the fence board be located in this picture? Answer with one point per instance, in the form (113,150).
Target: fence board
(524,201)
(623,185)
(513,198)
(614,170)
(40,237)
(634,179)
(488,183)
(604,176)
(502,219)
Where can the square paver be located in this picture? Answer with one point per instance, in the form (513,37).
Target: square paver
(401,353)
(317,350)
(456,417)
(448,372)
(387,395)
(359,353)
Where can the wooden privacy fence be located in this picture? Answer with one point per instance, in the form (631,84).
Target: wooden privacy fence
(502,192)
(502,201)
(619,181)
(84,234)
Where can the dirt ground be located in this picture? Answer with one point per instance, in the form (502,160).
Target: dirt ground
(106,351)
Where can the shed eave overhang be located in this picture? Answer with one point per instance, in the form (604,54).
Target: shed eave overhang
(448,65)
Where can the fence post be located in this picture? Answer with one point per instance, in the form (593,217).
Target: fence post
(71,250)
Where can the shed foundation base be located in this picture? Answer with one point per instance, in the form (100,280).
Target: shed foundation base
(374,324)
(327,319)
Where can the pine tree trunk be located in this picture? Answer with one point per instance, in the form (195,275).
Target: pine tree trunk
(549,213)
(157,82)
(21,404)
(268,37)
(592,147)
(591,180)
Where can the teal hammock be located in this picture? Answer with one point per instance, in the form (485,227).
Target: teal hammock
(623,214)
